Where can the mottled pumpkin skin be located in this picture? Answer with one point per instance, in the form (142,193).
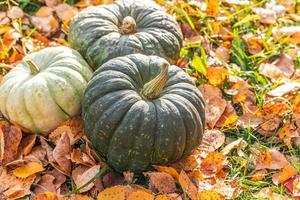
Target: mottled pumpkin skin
(96,32)
(131,132)
(40,102)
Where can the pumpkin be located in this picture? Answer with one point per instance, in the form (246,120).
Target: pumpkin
(125,27)
(139,110)
(44,89)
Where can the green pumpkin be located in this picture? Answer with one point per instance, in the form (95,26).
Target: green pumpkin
(125,27)
(138,111)
(44,89)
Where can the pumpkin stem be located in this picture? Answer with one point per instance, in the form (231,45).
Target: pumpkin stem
(34,69)
(128,25)
(104,170)
(153,88)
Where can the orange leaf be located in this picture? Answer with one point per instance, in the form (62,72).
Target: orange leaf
(210,195)
(286,173)
(214,162)
(28,169)
(216,75)
(187,186)
(46,196)
(116,193)
(259,175)
(140,195)
(213,7)
(168,170)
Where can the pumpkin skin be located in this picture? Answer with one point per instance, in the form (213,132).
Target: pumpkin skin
(98,32)
(131,132)
(40,102)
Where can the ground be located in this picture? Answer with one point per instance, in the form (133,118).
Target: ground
(243,56)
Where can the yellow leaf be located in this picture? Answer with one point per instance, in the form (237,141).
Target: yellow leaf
(168,170)
(198,64)
(4,29)
(28,170)
(286,173)
(116,193)
(210,195)
(163,197)
(187,186)
(216,75)
(212,7)
(232,118)
(140,195)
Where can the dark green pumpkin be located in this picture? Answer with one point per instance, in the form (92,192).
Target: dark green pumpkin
(139,111)
(125,27)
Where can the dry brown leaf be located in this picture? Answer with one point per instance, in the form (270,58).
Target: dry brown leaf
(65,12)
(27,144)
(46,196)
(254,45)
(214,109)
(37,154)
(19,189)
(212,140)
(168,170)
(223,54)
(187,186)
(85,177)
(287,133)
(79,197)
(10,138)
(28,170)
(237,144)
(270,159)
(52,3)
(48,149)
(228,118)
(61,153)
(259,175)
(212,163)
(45,184)
(44,11)
(286,173)
(15,12)
(80,157)
(268,193)
(209,91)
(161,182)
(45,24)
(59,178)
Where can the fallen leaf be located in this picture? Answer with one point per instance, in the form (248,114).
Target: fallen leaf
(287,172)
(212,140)
(212,7)
(212,163)
(15,12)
(254,45)
(45,184)
(216,75)
(223,54)
(214,109)
(259,175)
(59,178)
(52,3)
(140,195)
(19,189)
(228,118)
(270,159)
(27,144)
(168,170)
(267,16)
(44,11)
(65,12)
(161,182)
(116,193)
(80,157)
(37,154)
(187,186)
(46,196)
(209,91)
(45,24)
(267,193)
(237,144)
(61,153)
(48,149)
(210,195)
(79,197)
(10,138)
(284,89)
(28,170)
(85,177)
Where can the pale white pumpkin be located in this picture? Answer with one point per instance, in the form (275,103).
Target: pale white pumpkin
(45,89)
